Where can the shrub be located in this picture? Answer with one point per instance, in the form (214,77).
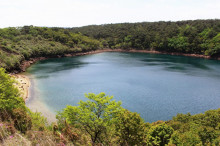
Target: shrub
(22,121)
(9,96)
(160,134)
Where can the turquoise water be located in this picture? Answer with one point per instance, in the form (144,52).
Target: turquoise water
(156,86)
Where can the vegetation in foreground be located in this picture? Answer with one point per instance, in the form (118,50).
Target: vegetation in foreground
(23,43)
(98,121)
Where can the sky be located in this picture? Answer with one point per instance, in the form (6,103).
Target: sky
(75,13)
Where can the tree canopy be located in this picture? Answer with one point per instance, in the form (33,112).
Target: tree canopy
(197,36)
(9,95)
(22,43)
(95,116)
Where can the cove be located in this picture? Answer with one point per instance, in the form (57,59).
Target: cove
(156,86)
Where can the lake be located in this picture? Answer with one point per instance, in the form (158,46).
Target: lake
(154,85)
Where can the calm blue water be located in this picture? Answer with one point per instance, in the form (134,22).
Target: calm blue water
(156,86)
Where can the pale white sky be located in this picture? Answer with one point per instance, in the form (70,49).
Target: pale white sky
(72,13)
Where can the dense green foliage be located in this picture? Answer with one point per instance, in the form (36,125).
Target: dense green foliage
(12,106)
(198,36)
(100,120)
(23,43)
(19,125)
(130,128)
(159,134)
(9,95)
(196,129)
(95,118)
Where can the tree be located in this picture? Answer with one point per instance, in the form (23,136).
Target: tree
(214,46)
(207,135)
(12,106)
(95,116)
(179,43)
(9,95)
(160,134)
(187,138)
(130,128)
(211,118)
(184,118)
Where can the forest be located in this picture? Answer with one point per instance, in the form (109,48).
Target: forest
(198,36)
(23,43)
(192,37)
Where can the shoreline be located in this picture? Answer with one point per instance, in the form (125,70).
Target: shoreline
(27,63)
(23,84)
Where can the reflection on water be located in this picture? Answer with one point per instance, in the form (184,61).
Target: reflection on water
(156,86)
(54,65)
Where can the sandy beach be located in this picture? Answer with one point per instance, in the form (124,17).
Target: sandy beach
(23,84)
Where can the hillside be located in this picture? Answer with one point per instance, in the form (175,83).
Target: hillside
(23,43)
(193,36)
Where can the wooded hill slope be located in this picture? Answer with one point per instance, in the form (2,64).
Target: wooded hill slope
(23,43)
(198,36)
(193,37)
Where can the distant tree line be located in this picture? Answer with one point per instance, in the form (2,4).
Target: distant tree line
(198,36)
(23,43)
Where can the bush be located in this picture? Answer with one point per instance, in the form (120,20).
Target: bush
(9,96)
(130,128)
(22,121)
(39,122)
(160,134)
